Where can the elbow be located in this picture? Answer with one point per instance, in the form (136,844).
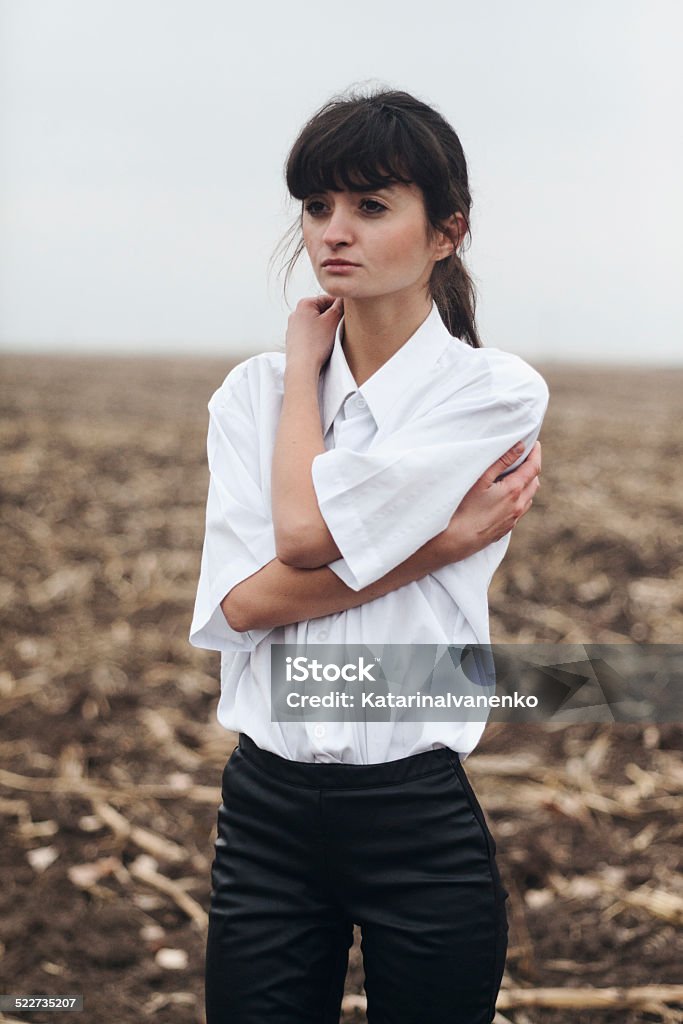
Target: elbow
(297,549)
(234,612)
(297,559)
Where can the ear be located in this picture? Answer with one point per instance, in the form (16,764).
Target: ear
(450,236)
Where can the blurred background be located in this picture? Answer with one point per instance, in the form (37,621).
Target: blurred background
(142,195)
(143,145)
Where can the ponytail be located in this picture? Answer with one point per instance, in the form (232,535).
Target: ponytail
(453,291)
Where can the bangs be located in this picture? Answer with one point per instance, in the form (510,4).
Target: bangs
(366,150)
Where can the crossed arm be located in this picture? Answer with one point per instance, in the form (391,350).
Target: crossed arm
(279,594)
(298,584)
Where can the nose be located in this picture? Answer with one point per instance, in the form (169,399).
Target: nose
(338,229)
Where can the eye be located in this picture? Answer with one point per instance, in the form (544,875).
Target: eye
(378,207)
(315,207)
(311,207)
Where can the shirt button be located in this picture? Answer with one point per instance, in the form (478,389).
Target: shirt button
(322,635)
(360,402)
(319,732)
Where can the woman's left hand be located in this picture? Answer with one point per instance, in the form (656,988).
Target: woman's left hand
(492,506)
(311,330)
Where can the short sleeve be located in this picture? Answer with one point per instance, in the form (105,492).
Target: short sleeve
(239,538)
(383,504)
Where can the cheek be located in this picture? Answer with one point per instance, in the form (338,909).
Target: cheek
(407,246)
(310,232)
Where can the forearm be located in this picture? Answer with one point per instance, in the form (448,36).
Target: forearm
(298,440)
(280,594)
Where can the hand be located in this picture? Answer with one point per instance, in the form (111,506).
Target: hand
(311,330)
(492,508)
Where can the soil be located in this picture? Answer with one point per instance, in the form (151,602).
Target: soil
(112,755)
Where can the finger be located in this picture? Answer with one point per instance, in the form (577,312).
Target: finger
(323,302)
(524,509)
(532,463)
(526,471)
(506,460)
(528,493)
(534,458)
(330,308)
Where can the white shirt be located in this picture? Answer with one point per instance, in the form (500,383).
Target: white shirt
(401,452)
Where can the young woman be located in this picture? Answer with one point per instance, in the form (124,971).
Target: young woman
(356,495)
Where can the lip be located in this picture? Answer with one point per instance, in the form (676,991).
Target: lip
(339,263)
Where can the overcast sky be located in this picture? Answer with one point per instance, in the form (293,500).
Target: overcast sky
(142,144)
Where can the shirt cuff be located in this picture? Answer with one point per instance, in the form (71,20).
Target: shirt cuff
(360,564)
(210,629)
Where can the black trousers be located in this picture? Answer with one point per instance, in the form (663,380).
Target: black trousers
(305,850)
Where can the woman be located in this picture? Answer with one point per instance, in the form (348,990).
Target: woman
(356,495)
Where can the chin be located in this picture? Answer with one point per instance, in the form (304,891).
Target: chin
(336,289)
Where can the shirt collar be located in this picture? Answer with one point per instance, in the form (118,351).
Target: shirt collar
(387,384)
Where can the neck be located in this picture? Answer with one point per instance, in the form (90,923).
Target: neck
(376,328)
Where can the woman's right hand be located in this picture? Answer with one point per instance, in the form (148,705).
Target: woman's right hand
(491,508)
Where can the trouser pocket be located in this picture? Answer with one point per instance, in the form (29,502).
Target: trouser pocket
(501,893)
(478,812)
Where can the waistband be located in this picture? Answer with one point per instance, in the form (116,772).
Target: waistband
(347,776)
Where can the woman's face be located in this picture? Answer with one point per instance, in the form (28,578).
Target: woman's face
(381,232)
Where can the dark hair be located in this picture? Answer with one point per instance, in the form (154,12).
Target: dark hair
(367,141)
